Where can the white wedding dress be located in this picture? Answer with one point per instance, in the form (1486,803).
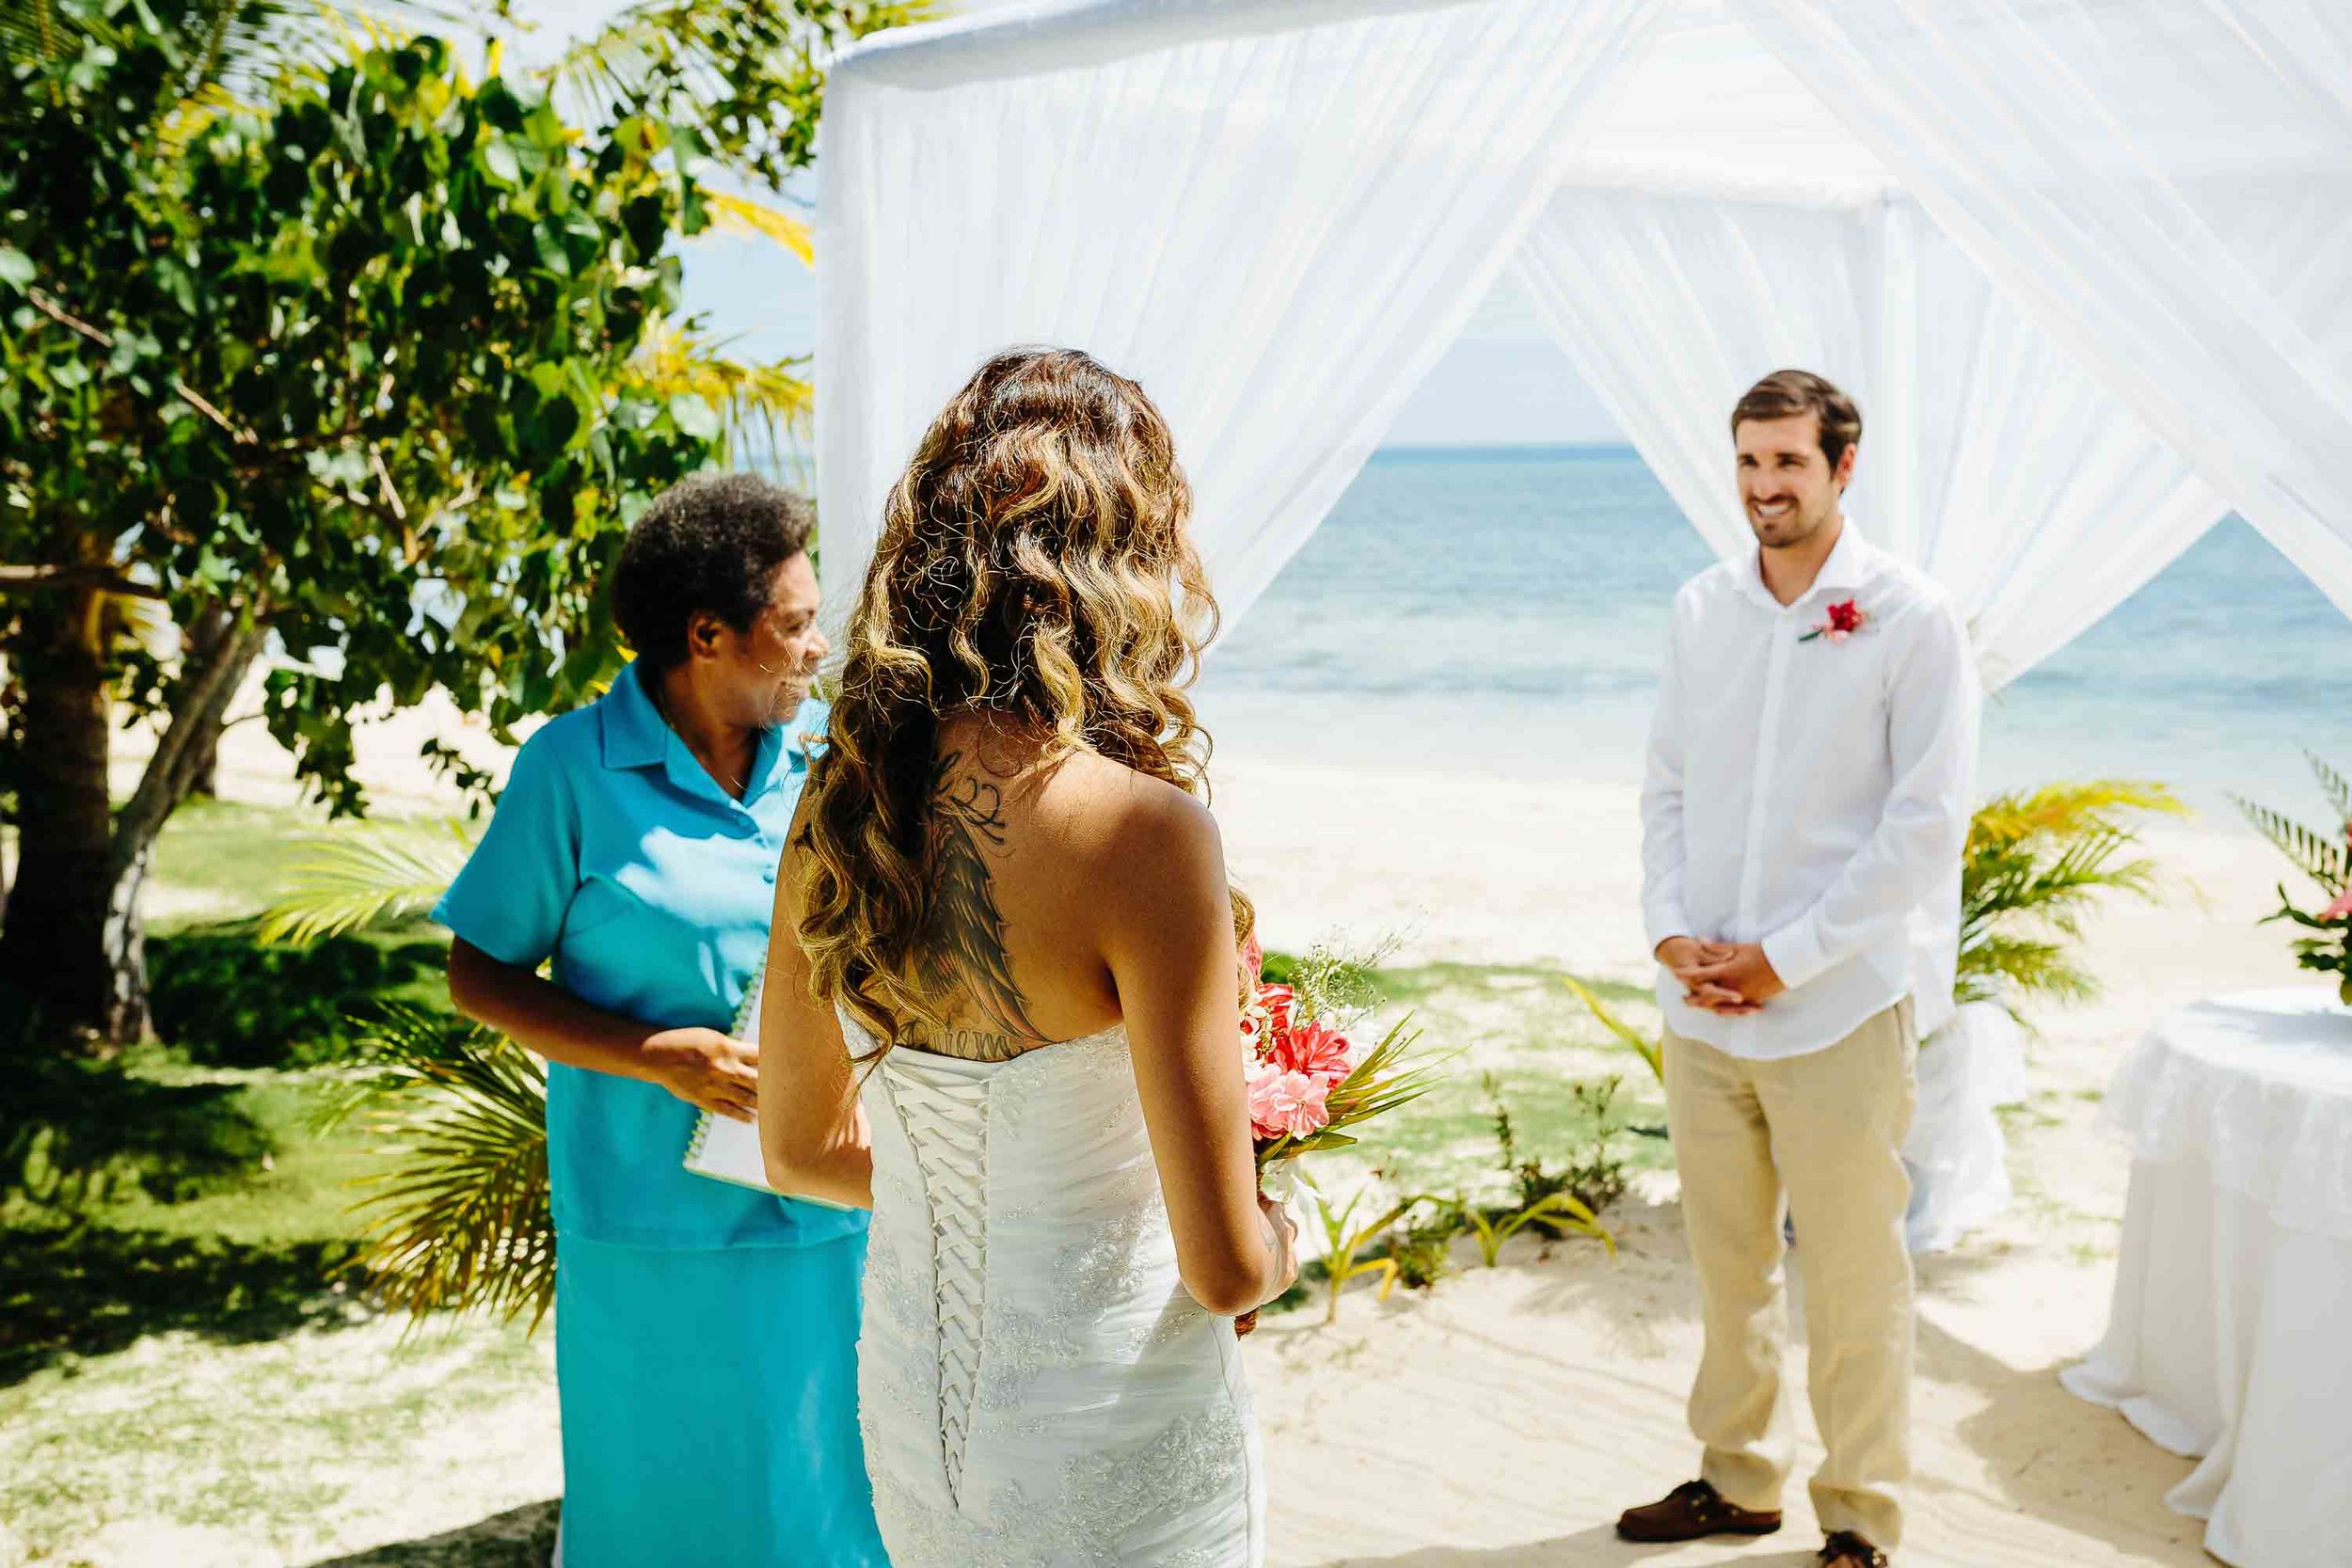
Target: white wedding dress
(1036,1385)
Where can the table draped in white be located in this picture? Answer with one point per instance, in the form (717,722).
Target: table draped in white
(2228,1341)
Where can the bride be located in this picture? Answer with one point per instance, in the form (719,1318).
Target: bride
(1010,1024)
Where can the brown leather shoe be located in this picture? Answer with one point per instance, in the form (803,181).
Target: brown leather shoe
(1691,1511)
(1845,1549)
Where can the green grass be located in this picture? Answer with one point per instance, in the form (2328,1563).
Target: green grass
(1423,982)
(234,1228)
(182,1343)
(1447,1138)
(229,861)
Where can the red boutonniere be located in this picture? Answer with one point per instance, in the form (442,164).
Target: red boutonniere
(1845,618)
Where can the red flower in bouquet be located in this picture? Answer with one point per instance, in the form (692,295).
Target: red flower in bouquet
(1845,618)
(1267,1019)
(1316,1049)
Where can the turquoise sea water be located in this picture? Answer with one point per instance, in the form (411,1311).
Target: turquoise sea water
(1502,609)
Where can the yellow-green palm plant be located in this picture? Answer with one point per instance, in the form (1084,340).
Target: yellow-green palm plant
(458,1215)
(2037,862)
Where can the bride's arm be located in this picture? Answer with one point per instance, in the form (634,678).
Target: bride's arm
(812,1131)
(1168,940)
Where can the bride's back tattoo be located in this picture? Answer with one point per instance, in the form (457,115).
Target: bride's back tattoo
(962,948)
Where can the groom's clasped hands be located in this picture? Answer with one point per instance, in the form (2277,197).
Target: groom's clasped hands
(1724,977)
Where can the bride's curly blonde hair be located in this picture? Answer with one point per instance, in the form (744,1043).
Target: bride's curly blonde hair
(1033,566)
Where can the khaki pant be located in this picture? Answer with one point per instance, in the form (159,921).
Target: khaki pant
(1827,1129)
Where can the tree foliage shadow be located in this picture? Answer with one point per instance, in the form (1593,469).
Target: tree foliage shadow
(70,1287)
(519,1538)
(76,1132)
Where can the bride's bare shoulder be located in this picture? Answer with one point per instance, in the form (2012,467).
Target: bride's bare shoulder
(1128,825)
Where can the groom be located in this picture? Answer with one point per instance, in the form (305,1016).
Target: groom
(1803,815)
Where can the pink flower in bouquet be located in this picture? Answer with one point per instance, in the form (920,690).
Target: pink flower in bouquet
(1285,1103)
(1316,1049)
(2342,906)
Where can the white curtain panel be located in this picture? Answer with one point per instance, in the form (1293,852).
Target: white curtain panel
(2164,185)
(1989,458)
(1275,218)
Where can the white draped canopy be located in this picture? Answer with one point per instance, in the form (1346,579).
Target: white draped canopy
(2086,264)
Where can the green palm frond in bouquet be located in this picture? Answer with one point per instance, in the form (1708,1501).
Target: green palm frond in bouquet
(2326,860)
(459,1220)
(2036,862)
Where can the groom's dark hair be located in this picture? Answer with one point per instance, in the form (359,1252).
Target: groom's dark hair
(1785,394)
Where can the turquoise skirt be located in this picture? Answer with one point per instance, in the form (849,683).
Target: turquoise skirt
(709,1402)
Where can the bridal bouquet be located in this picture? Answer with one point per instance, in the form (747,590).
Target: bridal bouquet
(1308,1082)
(2328,864)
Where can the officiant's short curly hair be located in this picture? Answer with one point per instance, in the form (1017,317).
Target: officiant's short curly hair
(1786,394)
(712,542)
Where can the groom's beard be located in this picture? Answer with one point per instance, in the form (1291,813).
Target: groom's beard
(1789,526)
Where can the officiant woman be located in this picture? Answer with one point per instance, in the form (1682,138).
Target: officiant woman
(704,1332)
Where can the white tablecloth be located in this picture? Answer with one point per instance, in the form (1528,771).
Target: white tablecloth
(2230,1336)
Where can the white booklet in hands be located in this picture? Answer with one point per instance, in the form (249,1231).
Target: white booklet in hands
(721,1148)
(726,1149)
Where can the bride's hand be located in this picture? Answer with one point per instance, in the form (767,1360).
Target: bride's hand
(1283,1231)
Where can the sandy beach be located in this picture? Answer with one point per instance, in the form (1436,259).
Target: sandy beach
(1506,1418)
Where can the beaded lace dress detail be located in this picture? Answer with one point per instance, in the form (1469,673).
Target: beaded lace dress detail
(1036,1385)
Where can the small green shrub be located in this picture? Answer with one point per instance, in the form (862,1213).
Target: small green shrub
(1594,1175)
(223,998)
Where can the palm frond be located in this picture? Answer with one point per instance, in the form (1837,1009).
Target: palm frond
(1650,1050)
(2339,788)
(2320,857)
(459,1220)
(355,881)
(2063,809)
(2036,863)
(2007,969)
(746,81)
(740,214)
(760,408)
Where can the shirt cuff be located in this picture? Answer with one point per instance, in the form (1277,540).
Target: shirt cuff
(1664,918)
(1795,953)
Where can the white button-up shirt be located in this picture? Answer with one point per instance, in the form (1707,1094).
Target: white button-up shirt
(1812,796)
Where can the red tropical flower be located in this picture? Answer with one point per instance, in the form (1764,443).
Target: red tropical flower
(1845,618)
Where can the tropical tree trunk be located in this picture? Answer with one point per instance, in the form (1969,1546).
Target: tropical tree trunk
(59,949)
(75,944)
(203,639)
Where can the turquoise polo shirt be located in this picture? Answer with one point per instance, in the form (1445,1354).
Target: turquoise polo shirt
(614,854)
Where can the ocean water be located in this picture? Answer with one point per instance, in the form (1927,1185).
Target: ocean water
(1503,611)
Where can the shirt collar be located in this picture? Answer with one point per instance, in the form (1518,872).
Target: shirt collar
(636,735)
(1848,565)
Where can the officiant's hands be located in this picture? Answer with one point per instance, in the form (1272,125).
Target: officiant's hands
(1703,967)
(707,1069)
